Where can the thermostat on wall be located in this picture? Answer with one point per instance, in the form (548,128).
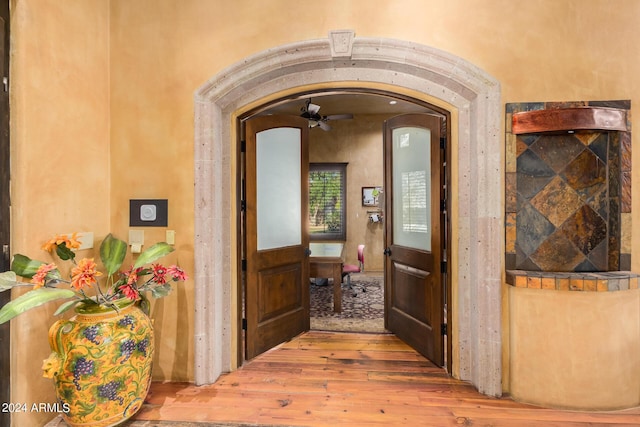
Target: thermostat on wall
(148,213)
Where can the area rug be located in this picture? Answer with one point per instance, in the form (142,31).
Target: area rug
(362,306)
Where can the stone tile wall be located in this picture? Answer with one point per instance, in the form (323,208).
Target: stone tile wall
(568,197)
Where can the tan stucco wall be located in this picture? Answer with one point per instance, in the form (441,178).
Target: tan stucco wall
(575,350)
(105,89)
(60,163)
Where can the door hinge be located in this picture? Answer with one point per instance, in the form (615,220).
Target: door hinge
(244,324)
(443,266)
(243,146)
(443,329)
(443,205)
(5,83)
(243,205)
(243,265)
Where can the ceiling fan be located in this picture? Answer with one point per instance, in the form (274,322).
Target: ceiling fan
(310,112)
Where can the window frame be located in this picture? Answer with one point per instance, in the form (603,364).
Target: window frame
(342,169)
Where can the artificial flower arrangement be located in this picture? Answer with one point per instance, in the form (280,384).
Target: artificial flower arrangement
(84,286)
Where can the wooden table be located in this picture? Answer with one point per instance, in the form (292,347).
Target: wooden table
(326,260)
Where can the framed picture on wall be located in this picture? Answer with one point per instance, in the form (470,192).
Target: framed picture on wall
(370,196)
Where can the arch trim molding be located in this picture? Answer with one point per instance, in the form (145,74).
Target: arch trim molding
(476,305)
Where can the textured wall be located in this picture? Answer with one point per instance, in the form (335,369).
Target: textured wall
(60,155)
(572,350)
(145,59)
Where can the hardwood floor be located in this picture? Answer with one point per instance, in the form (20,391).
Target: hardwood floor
(339,379)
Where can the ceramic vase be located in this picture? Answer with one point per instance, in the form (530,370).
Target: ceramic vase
(101,363)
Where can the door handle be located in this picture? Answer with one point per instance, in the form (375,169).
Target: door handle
(387,251)
(307,252)
(5,254)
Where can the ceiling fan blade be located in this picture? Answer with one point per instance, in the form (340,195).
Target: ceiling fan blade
(324,126)
(339,117)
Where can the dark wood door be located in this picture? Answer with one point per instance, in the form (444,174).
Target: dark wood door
(413,282)
(277,238)
(5,203)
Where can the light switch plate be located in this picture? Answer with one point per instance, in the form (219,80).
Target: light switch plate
(85,238)
(136,237)
(148,212)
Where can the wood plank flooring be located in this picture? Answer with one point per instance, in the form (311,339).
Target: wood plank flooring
(348,379)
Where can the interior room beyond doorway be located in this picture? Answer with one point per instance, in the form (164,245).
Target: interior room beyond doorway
(354,138)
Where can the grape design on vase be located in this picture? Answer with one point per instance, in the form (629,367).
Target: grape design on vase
(126,348)
(91,333)
(142,346)
(126,321)
(109,391)
(82,367)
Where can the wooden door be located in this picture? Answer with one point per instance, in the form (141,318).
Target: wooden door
(277,238)
(414,297)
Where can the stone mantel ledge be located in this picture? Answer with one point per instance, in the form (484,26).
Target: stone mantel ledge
(606,281)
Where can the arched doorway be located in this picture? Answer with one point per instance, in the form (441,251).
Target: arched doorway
(472,96)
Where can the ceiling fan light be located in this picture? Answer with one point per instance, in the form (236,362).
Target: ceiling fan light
(313,108)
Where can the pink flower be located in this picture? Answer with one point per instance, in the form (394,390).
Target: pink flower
(132,275)
(159,272)
(130,291)
(177,273)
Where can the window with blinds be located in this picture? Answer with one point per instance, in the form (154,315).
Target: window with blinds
(327,201)
(415,202)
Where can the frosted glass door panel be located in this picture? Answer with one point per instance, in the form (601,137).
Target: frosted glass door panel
(279,203)
(411,172)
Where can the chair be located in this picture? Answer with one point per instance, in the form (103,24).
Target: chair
(347,269)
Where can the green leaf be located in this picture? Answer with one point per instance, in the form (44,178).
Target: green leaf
(153,253)
(25,266)
(112,253)
(160,291)
(66,306)
(32,299)
(64,252)
(7,280)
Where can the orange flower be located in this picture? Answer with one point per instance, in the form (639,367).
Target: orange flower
(84,274)
(70,242)
(39,278)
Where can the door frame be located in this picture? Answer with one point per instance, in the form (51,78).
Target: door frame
(5,215)
(240,197)
(471,94)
